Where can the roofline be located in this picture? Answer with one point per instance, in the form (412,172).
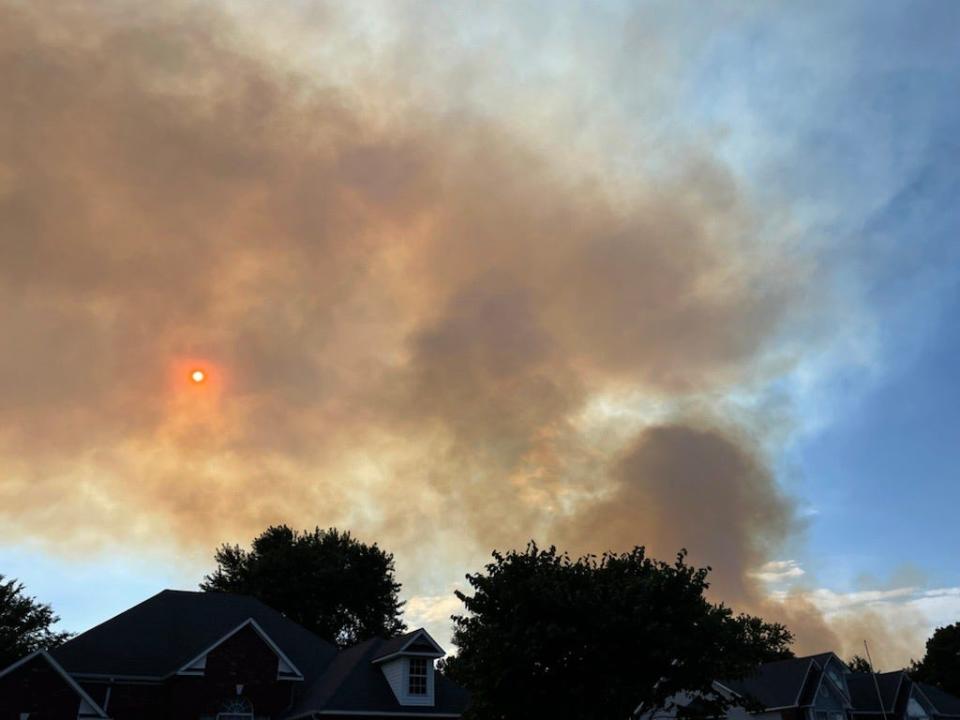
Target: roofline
(366,713)
(259,630)
(113,677)
(440,652)
(916,686)
(729,690)
(919,687)
(803,684)
(63,673)
(388,713)
(896,693)
(847,701)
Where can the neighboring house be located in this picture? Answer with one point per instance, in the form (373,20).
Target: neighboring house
(822,687)
(216,656)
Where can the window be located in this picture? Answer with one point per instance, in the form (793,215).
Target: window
(916,710)
(236,709)
(418,677)
(835,676)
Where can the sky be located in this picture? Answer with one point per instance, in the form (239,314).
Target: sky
(464,275)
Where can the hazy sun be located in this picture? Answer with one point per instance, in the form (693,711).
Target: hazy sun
(198,376)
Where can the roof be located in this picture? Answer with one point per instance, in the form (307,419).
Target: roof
(418,641)
(775,684)
(161,634)
(863,690)
(44,655)
(785,683)
(944,702)
(353,683)
(793,682)
(165,632)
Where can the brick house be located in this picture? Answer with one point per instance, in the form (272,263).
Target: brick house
(217,656)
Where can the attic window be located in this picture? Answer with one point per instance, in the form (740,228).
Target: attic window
(418,676)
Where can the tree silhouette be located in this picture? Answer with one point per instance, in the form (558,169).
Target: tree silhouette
(25,624)
(329,582)
(941,663)
(547,636)
(859,664)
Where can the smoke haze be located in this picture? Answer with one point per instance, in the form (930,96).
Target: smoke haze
(443,328)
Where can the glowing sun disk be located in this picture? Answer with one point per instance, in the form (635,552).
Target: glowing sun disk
(198,376)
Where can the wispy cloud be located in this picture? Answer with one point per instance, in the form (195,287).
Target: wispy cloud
(777,571)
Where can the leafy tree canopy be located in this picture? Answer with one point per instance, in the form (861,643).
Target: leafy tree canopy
(859,664)
(548,636)
(326,580)
(941,663)
(25,624)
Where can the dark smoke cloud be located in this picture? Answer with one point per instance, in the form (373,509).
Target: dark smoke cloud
(409,318)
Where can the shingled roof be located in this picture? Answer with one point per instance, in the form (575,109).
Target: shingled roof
(354,683)
(155,638)
(777,684)
(863,690)
(794,682)
(944,702)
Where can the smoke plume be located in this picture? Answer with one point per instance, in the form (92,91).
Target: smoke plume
(415,322)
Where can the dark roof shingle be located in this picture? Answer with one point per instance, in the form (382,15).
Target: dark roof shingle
(353,683)
(156,637)
(863,690)
(944,702)
(775,684)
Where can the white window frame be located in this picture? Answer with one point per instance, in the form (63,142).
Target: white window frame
(424,677)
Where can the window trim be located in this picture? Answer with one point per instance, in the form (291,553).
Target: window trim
(418,676)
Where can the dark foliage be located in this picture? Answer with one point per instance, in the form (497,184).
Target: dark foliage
(547,636)
(859,664)
(941,663)
(24,624)
(329,582)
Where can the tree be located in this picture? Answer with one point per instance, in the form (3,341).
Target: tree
(941,663)
(547,636)
(859,664)
(329,582)
(25,624)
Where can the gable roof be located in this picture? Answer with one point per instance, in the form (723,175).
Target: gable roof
(163,633)
(786,683)
(776,684)
(293,671)
(174,630)
(354,683)
(44,655)
(944,702)
(418,641)
(863,690)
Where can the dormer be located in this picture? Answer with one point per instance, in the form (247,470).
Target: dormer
(407,663)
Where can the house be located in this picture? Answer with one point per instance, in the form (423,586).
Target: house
(822,687)
(218,656)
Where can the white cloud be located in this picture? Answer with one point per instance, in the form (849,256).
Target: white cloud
(778,570)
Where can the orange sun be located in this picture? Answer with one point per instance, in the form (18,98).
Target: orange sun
(198,376)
